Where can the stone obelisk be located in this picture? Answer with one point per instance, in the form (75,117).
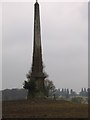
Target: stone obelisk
(37,67)
(37,75)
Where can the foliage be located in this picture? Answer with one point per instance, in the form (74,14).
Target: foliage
(30,85)
(49,86)
(28,75)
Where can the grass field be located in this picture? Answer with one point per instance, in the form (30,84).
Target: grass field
(43,109)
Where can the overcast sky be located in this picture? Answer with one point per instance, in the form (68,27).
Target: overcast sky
(64,33)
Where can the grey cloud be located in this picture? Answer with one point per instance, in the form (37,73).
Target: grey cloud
(64,41)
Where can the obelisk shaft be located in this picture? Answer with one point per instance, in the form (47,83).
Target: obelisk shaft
(37,67)
(36,77)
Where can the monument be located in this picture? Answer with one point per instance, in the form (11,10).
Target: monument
(36,76)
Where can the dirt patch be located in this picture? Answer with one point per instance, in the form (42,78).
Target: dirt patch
(43,109)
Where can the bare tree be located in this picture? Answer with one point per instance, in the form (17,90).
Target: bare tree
(49,86)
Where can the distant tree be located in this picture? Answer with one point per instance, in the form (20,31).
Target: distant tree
(82,90)
(49,86)
(71,92)
(88,90)
(67,94)
(85,90)
(29,85)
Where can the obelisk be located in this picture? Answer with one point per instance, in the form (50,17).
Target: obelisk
(36,75)
(37,67)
